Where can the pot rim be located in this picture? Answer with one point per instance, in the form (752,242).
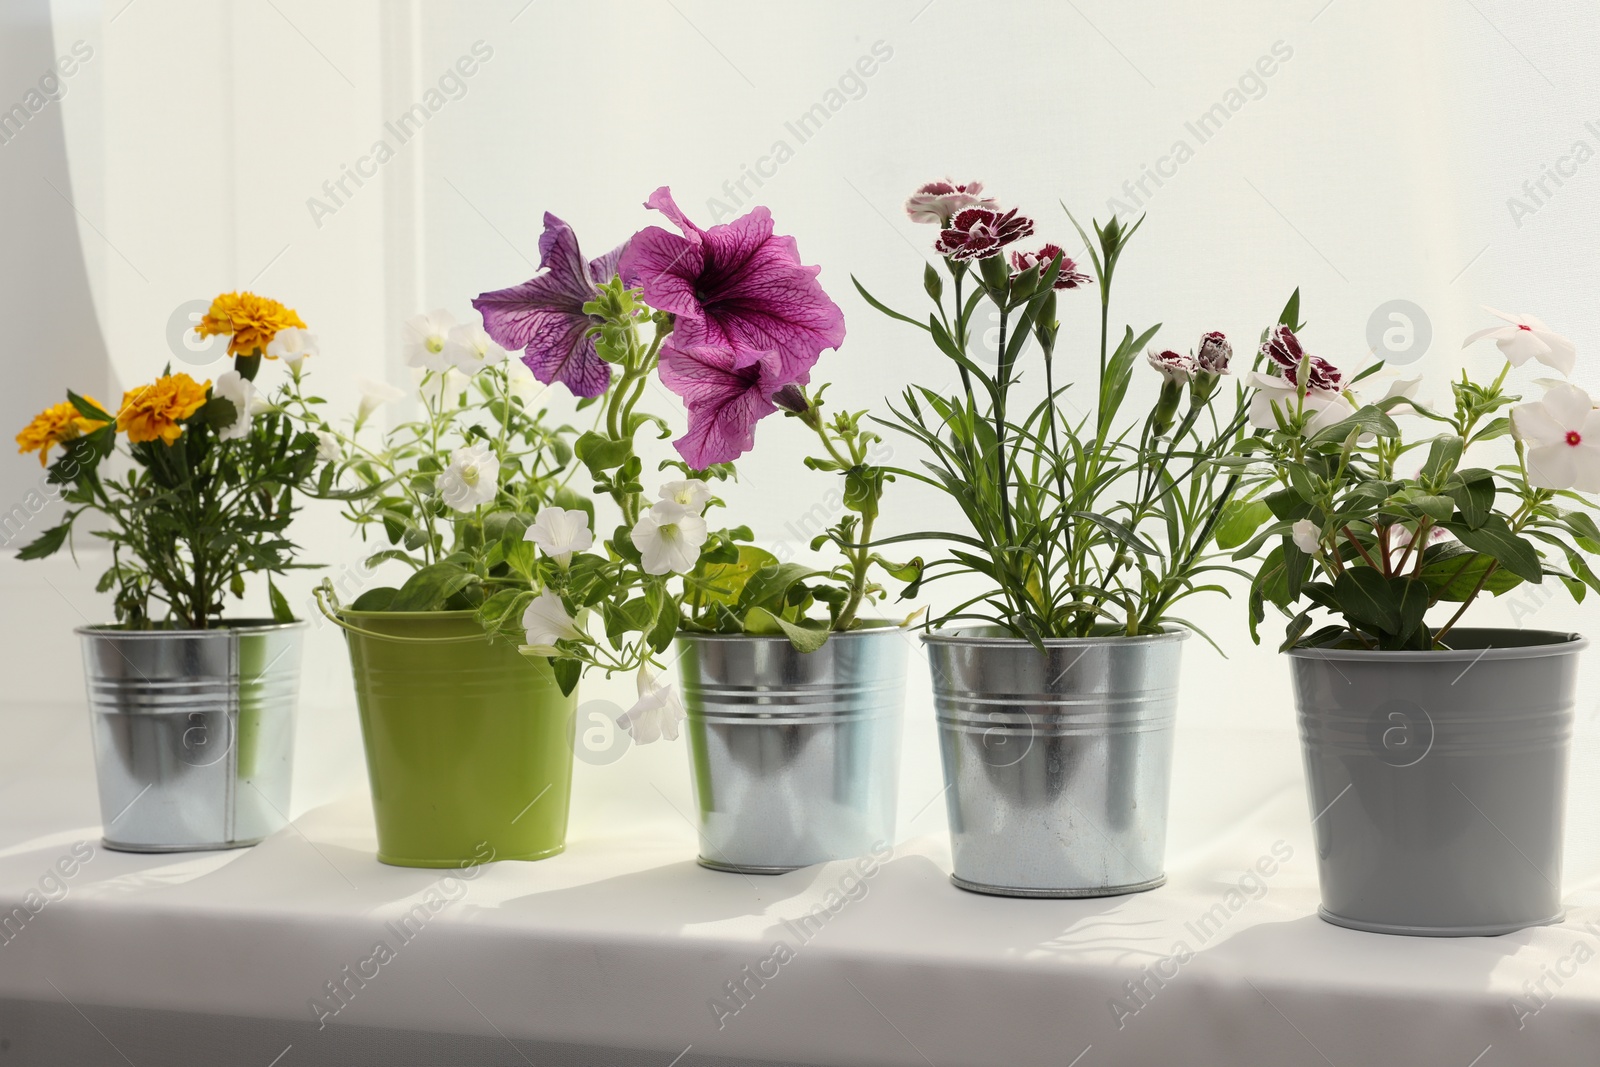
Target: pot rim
(453,613)
(1169,634)
(238,626)
(870,631)
(1550,643)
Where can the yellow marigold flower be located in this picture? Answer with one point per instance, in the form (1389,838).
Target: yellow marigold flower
(156,410)
(250,321)
(56,425)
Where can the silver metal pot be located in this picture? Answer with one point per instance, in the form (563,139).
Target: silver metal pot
(795,756)
(1057,766)
(193,732)
(1438,780)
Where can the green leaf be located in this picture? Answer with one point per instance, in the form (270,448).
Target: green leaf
(567,672)
(1474,497)
(88,409)
(429,588)
(281,612)
(1369,419)
(600,453)
(219,412)
(1494,538)
(1117,530)
(1239,521)
(1443,455)
(805,637)
(893,314)
(769,586)
(726,581)
(1366,596)
(47,544)
(377,599)
(1452,575)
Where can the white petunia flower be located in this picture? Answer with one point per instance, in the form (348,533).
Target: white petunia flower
(440,390)
(293,345)
(657,713)
(472,478)
(669,537)
(545,622)
(470,349)
(524,386)
(559,532)
(233,386)
(691,494)
(373,396)
(1325,406)
(1562,434)
(1307,536)
(425,338)
(329,449)
(1528,338)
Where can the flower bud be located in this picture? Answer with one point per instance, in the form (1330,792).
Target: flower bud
(792,398)
(932,282)
(996,278)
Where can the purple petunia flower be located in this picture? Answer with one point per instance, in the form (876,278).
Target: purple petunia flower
(736,287)
(544,315)
(725,400)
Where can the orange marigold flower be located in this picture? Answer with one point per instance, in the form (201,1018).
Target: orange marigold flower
(157,410)
(56,425)
(249,321)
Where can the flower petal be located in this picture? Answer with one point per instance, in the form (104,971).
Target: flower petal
(1534,424)
(1560,353)
(725,401)
(661,200)
(560,350)
(1569,406)
(1552,466)
(1497,332)
(665,266)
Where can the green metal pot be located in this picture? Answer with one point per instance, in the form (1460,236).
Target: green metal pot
(469,742)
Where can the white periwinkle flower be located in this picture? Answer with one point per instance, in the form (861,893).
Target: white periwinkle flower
(669,537)
(1307,536)
(1277,396)
(469,349)
(373,396)
(1528,338)
(293,345)
(1562,435)
(233,386)
(692,494)
(472,478)
(559,532)
(657,712)
(425,339)
(545,622)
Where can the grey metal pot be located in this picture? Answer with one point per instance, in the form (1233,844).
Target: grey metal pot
(1057,766)
(795,756)
(1438,780)
(193,732)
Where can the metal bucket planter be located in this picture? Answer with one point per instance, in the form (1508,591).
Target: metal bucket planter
(1057,766)
(193,732)
(1438,780)
(795,756)
(468,742)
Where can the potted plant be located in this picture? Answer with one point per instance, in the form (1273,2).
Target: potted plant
(1056,673)
(195,483)
(1435,753)
(467,741)
(793,736)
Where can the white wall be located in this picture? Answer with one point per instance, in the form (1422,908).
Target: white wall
(1374,163)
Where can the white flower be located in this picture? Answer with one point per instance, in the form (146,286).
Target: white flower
(1405,389)
(472,478)
(425,338)
(373,396)
(470,349)
(669,537)
(232,386)
(1562,433)
(1172,366)
(1324,406)
(437,388)
(657,713)
(1307,536)
(546,621)
(559,532)
(691,494)
(293,345)
(328,448)
(1528,338)
(524,386)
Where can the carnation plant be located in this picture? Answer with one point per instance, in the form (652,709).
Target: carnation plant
(461,493)
(729,320)
(1082,519)
(197,480)
(1388,537)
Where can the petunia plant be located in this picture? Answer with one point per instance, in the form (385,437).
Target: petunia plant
(461,493)
(197,480)
(1080,520)
(1391,537)
(729,320)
